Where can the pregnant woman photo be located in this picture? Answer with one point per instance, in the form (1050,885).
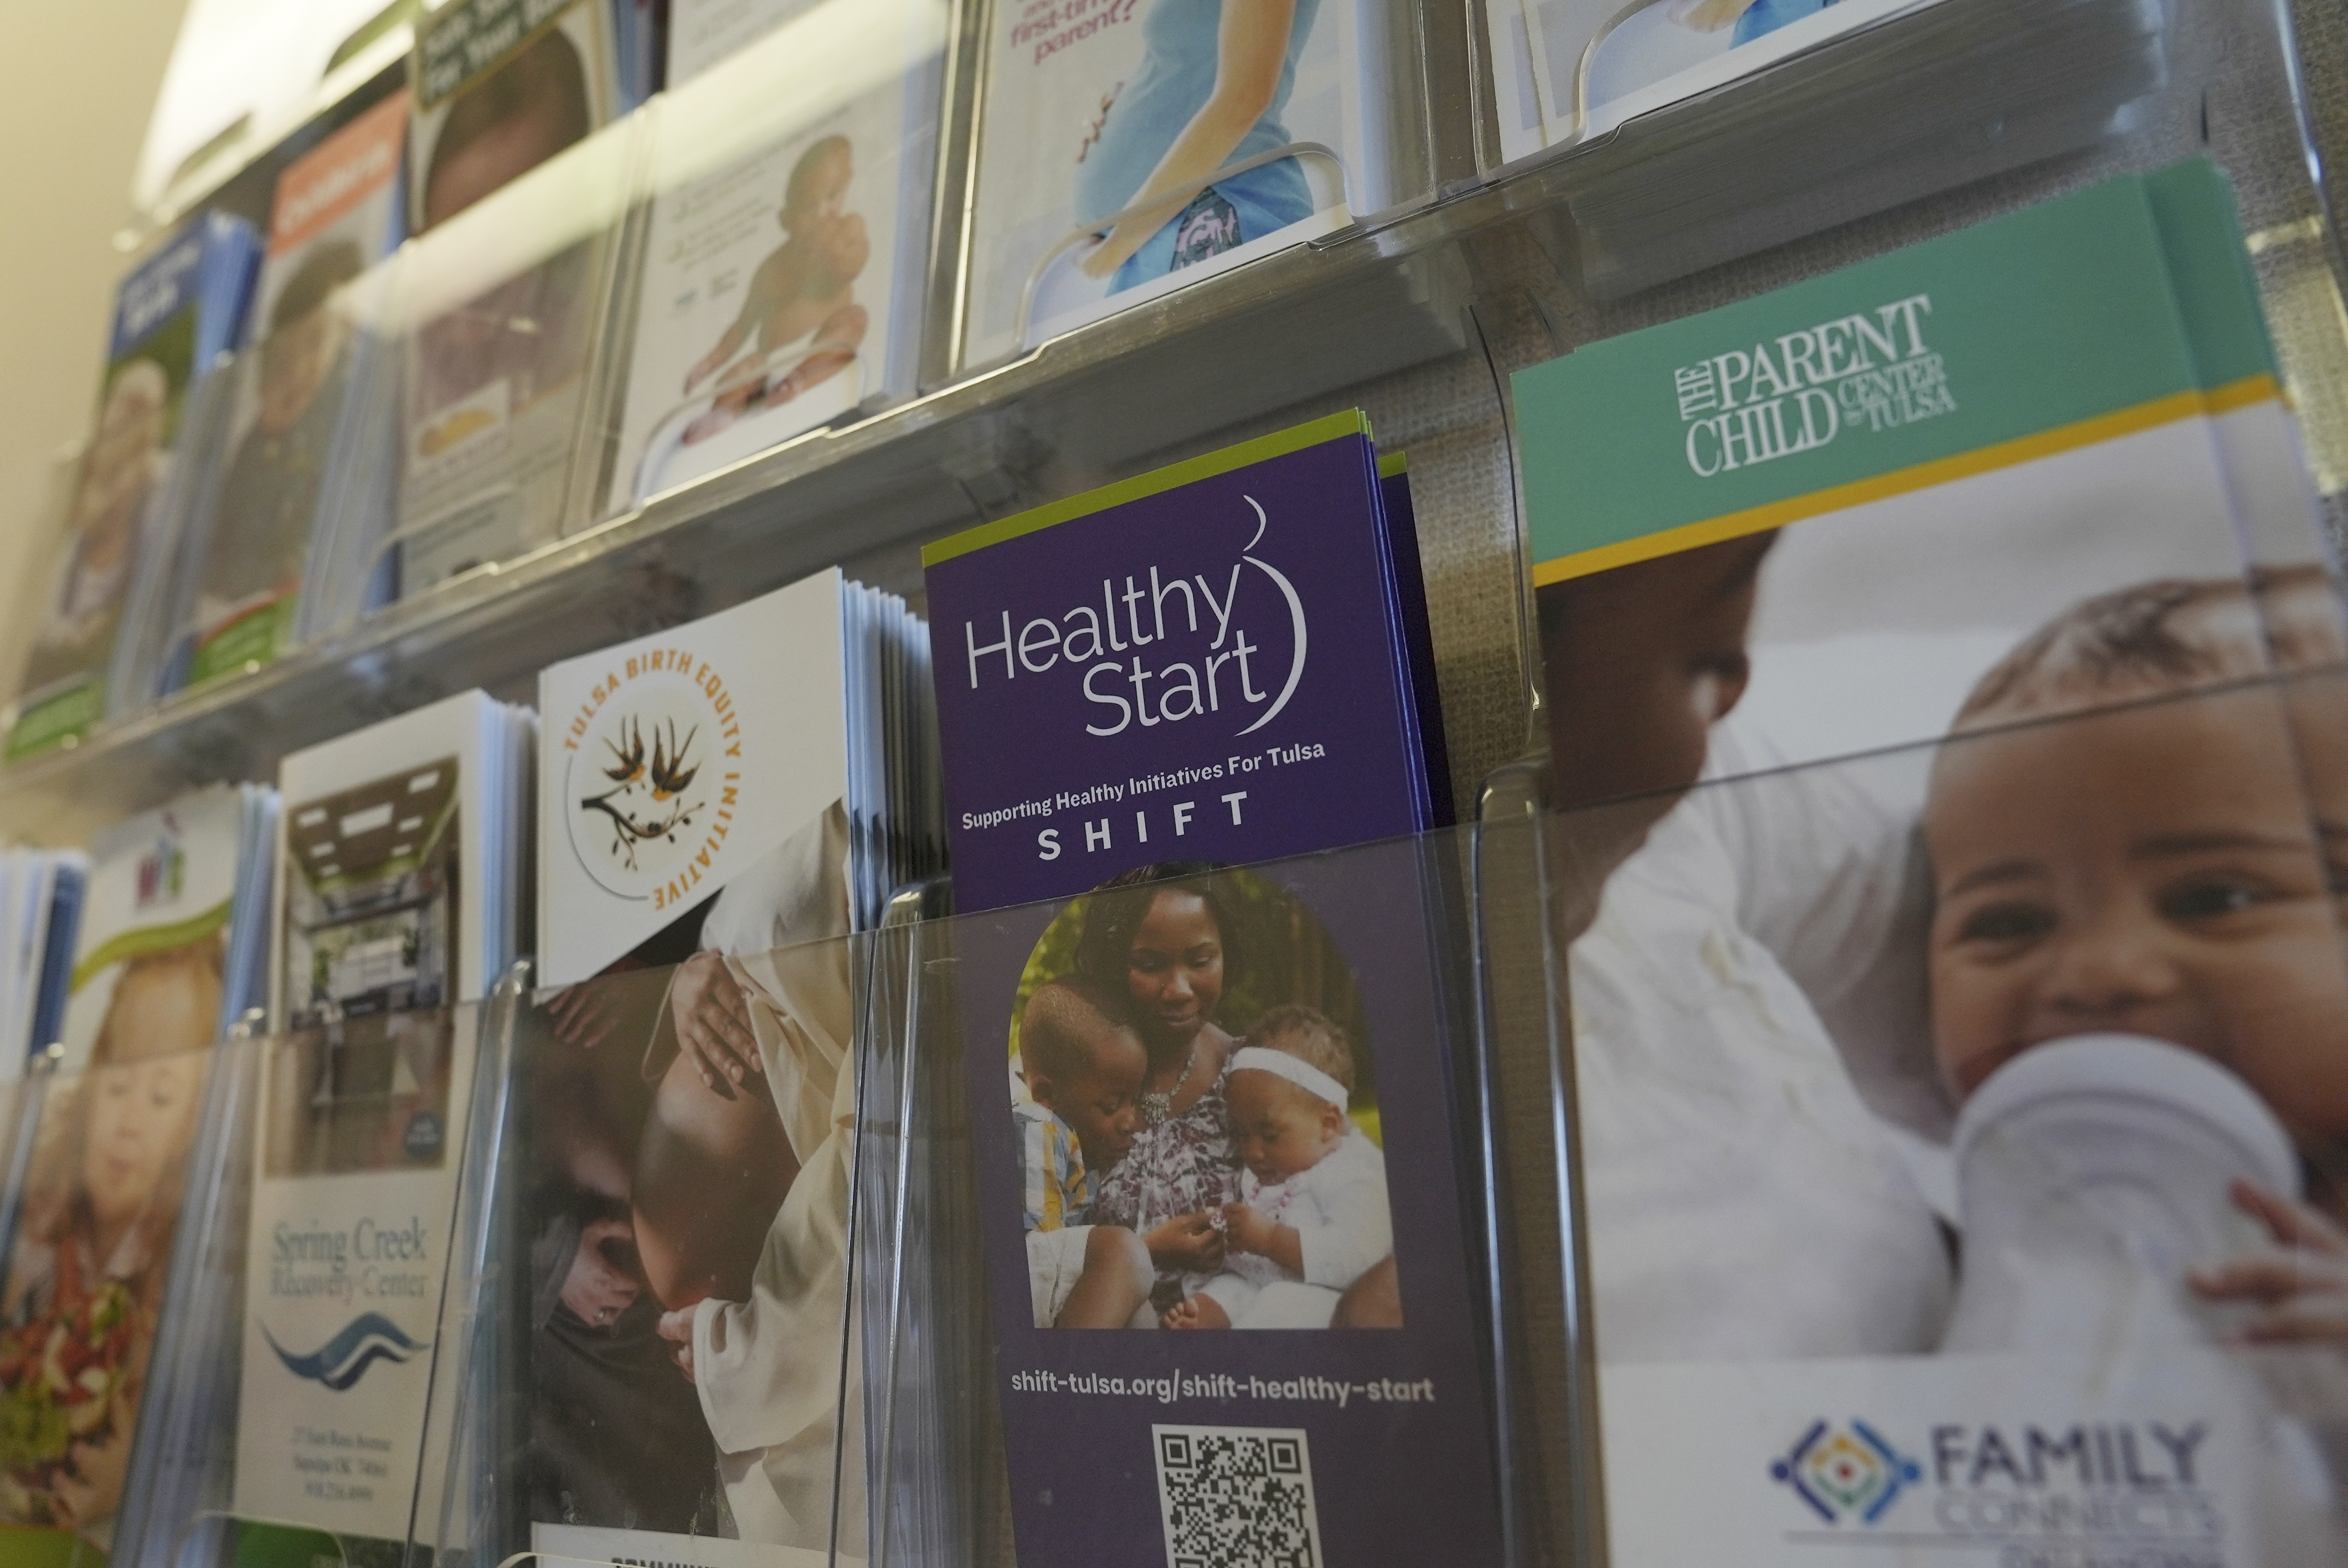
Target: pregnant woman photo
(1214,79)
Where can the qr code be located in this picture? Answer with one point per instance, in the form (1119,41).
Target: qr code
(1237,1497)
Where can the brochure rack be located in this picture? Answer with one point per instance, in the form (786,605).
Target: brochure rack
(1416,312)
(920,1467)
(919,1415)
(1480,273)
(925,1395)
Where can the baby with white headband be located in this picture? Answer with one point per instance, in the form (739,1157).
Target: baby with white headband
(1311,1217)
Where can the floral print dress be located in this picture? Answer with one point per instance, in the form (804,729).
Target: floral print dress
(1182,1165)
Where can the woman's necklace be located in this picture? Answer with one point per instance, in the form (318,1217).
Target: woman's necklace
(1156,1105)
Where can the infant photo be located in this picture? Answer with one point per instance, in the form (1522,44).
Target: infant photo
(1197,1126)
(88,1266)
(1962,951)
(775,263)
(121,473)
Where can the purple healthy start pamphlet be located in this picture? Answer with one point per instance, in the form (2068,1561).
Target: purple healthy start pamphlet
(1205,662)
(1217,1159)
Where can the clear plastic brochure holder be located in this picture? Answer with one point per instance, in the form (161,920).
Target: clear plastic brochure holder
(1480,967)
(888,1465)
(937,1484)
(193,436)
(298,476)
(491,373)
(2087,1230)
(912,1460)
(229,1467)
(135,1155)
(780,283)
(1370,129)
(51,527)
(143,650)
(937,1381)
(614,1194)
(346,575)
(1948,93)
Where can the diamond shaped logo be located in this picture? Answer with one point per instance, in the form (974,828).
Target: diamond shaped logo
(1845,1475)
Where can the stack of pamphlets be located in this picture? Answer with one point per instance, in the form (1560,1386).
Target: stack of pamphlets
(404,862)
(499,313)
(1296,621)
(636,29)
(177,313)
(1204,1097)
(1572,70)
(40,910)
(171,952)
(258,537)
(1943,658)
(783,275)
(1768,120)
(719,806)
(176,911)
(1127,150)
(403,874)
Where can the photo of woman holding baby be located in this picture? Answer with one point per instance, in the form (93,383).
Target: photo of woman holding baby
(1168,950)
(2085,941)
(1198,1121)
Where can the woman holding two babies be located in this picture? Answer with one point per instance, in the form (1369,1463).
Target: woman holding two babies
(1233,1165)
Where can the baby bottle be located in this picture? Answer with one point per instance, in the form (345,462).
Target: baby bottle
(2092,1174)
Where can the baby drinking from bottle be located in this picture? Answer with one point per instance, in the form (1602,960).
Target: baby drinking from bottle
(2139,988)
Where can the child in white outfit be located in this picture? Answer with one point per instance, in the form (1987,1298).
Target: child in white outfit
(1311,1217)
(2164,862)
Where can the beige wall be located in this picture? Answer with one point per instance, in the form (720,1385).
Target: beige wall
(83,77)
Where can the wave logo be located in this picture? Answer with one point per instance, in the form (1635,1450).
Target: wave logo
(1845,1475)
(342,1360)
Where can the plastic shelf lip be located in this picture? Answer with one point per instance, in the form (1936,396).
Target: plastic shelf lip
(1312,319)
(870,473)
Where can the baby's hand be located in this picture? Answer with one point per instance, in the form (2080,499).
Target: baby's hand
(1250,1229)
(2303,1285)
(1194,1312)
(1188,1242)
(676,1327)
